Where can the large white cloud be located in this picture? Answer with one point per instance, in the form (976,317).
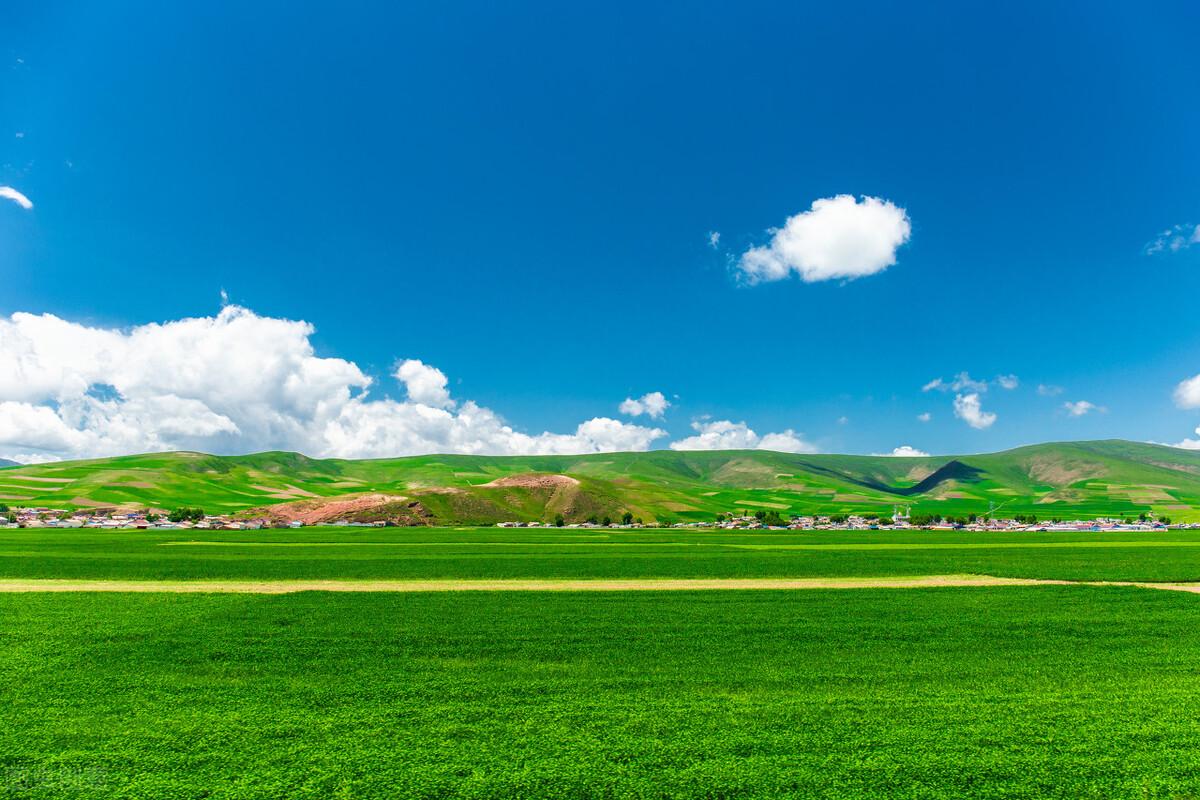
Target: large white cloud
(727,435)
(238,382)
(838,237)
(652,404)
(969,409)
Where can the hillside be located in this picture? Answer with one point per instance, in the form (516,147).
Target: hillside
(1061,479)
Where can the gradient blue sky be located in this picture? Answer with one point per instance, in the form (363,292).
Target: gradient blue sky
(521,195)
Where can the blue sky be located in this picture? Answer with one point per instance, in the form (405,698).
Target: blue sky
(522,196)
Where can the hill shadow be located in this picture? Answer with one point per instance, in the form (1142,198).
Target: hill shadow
(953,470)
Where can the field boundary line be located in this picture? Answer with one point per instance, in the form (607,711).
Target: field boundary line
(9,586)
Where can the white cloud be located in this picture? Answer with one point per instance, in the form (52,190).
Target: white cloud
(726,435)
(962,382)
(238,382)
(1008,382)
(652,404)
(843,420)
(9,193)
(425,384)
(924,416)
(968,408)
(838,237)
(1187,393)
(1174,239)
(904,451)
(1188,444)
(1046,390)
(714,239)
(1079,408)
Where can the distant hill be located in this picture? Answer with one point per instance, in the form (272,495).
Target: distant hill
(4,462)
(1062,479)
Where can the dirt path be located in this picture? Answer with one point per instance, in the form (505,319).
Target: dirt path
(523,585)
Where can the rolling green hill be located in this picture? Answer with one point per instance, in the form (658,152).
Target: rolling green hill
(1074,479)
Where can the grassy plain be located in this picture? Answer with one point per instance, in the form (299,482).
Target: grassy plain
(482,553)
(1017,692)
(995,692)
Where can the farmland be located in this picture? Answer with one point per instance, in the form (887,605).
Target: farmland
(984,691)
(1070,480)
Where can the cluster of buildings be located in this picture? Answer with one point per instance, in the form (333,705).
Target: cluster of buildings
(853,522)
(144,520)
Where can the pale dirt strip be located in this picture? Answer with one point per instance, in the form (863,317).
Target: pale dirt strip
(522,585)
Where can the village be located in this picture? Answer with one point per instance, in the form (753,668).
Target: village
(194,518)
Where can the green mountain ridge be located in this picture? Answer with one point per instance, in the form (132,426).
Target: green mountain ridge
(1063,479)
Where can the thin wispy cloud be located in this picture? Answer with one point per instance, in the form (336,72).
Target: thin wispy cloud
(962,382)
(924,417)
(1174,239)
(714,239)
(9,193)
(1047,390)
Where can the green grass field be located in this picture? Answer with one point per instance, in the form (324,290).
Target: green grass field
(480,553)
(1004,692)
(1070,480)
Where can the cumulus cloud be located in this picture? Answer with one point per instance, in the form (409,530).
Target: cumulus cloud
(904,451)
(1080,408)
(838,237)
(924,416)
(1187,393)
(1188,444)
(1174,239)
(1008,382)
(727,435)
(9,193)
(714,239)
(969,409)
(652,404)
(425,384)
(239,382)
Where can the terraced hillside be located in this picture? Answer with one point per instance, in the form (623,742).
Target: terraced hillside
(1063,479)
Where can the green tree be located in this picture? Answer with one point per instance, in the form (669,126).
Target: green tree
(559,521)
(627,518)
(607,521)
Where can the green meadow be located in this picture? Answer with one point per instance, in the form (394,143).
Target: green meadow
(482,553)
(1062,691)
(1051,691)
